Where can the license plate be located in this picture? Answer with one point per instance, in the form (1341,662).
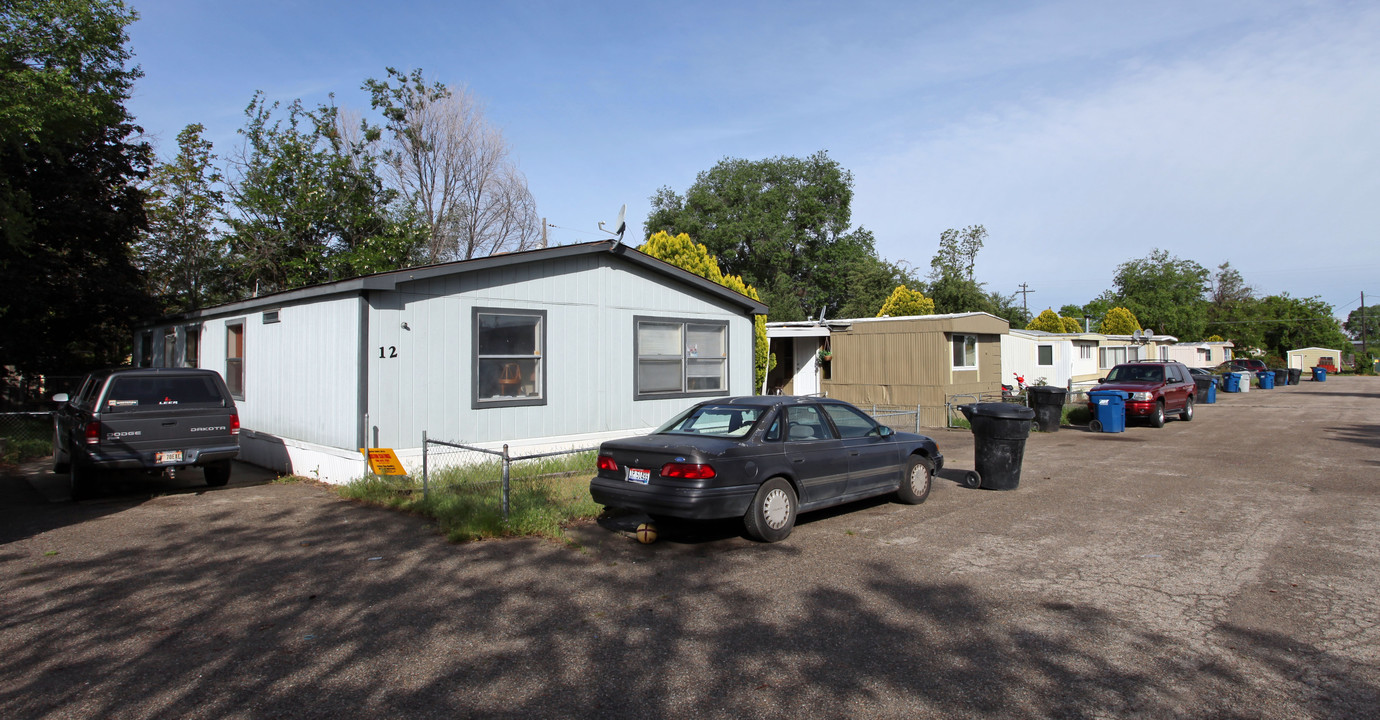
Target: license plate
(171,456)
(639,476)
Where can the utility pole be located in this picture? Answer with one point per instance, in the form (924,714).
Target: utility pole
(1365,344)
(1025,291)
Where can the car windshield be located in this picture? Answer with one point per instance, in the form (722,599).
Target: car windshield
(725,421)
(1136,373)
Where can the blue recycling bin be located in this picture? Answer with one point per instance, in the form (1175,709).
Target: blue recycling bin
(1233,382)
(1320,374)
(1267,379)
(1109,411)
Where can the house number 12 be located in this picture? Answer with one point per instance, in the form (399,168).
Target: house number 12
(392,352)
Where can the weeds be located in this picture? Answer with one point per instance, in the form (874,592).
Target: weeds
(467,501)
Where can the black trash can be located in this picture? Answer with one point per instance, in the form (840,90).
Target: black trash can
(1295,375)
(999,433)
(1048,404)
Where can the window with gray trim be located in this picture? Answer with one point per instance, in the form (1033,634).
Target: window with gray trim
(509,357)
(1045,355)
(680,358)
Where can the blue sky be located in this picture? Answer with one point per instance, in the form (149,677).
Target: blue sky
(1081,134)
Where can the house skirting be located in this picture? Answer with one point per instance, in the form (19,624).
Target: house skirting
(340,466)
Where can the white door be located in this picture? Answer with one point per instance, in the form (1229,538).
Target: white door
(806,380)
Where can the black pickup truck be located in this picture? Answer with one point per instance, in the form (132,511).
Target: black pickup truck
(154,419)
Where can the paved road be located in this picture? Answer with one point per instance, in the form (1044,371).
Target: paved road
(1224,567)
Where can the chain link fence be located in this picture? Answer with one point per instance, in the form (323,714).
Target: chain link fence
(498,481)
(25,435)
(955,418)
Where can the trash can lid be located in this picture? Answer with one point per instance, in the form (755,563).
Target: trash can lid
(1003,410)
(1109,393)
(1050,389)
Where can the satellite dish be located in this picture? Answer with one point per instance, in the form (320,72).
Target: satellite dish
(619,225)
(1148,336)
(1136,336)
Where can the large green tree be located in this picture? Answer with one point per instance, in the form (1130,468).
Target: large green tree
(1233,309)
(871,281)
(307,204)
(1165,293)
(783,224)
(1289,323)
(1369,320)
(70,202)
(183,253)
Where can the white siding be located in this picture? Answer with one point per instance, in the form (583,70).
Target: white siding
(590,303)
(300,374)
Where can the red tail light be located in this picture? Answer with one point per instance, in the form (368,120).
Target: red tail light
(235,424)
(687,471)
(93,433)
(607,463)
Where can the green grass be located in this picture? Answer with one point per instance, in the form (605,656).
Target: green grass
(466,502)
(1075,415)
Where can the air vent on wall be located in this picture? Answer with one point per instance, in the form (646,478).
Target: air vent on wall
(270,316)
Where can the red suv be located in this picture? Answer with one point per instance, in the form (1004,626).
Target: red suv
(1156,389)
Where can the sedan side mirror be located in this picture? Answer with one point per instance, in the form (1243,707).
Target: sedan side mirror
(885,432)
(60,398)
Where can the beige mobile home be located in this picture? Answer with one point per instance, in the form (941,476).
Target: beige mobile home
(1311,357)
(909,362)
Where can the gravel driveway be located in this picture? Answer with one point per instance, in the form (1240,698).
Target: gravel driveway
(1224,567)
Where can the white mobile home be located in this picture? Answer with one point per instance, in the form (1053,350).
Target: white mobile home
(551,348)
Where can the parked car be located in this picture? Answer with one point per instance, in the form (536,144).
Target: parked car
(764,459)
(1251,365)
(153,419)
(1156,389)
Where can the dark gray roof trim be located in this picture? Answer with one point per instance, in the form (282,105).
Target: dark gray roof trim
(390,280)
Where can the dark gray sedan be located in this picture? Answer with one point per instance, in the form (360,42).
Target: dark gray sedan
(764,459)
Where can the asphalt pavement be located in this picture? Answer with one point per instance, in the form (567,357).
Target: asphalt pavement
(1220,568)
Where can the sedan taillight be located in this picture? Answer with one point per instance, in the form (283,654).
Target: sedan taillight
(607,463)
(687,471)
(93,433)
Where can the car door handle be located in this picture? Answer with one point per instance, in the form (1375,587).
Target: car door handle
(167,423)
(853,453)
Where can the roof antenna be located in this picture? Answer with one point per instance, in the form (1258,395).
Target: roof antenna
(619,225)
(821,312)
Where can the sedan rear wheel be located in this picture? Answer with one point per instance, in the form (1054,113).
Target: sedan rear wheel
(915,487)
(217,473)
(772,514)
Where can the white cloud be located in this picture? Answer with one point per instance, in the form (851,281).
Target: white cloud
(1252,153)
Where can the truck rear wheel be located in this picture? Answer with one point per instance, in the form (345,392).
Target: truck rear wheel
(217,473)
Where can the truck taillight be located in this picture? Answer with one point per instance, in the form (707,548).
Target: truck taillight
(93,433)
(687,471)
(607,463)
(235,424)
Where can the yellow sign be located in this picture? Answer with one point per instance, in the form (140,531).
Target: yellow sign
(383,461)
